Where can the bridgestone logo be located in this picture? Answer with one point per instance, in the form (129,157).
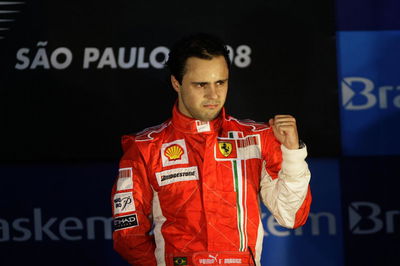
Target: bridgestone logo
(177,175)
(166,177)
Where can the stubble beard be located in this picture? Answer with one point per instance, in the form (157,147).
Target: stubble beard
(203,115)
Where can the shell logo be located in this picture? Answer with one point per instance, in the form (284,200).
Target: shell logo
(174,152)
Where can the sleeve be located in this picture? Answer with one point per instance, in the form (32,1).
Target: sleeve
(131,206)
(284,186)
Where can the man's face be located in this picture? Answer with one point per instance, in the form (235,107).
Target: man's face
(204,87)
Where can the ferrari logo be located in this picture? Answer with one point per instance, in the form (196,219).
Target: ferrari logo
(225,148)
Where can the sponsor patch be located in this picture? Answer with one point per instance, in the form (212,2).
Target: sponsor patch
(173,153)
(233,261)
(180,261)
(123,222)
(123,203)
(249,147)
(202,126)
(125,179)
(239,148)
(221,258)
(177,175)
(226,149)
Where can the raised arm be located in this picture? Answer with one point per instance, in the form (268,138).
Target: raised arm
(285,175)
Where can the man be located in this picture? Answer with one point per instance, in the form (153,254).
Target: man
(188,190)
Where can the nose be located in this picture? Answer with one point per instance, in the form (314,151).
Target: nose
(211,92)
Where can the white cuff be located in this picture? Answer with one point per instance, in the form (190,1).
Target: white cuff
(293,161)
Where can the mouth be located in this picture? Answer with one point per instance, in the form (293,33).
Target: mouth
(211,106)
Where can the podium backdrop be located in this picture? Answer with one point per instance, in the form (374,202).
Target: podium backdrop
(76,75)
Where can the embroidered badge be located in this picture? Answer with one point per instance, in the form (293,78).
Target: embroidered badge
(245,148)
(202,126)
(225,148)
(177,175)
(125,179)
(180,261)
(123,203)
(173,152)
(123,222)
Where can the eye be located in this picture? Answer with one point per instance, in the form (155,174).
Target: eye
(221,82)
(201,84)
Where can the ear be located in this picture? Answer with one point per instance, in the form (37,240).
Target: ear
(175,84)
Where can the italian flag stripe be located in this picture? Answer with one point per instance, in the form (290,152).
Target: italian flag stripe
(238,185)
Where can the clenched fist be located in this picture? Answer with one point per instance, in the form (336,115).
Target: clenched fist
(285,130)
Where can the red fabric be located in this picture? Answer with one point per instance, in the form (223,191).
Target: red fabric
(199,201)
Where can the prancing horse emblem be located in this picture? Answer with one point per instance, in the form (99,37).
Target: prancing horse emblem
(225,148)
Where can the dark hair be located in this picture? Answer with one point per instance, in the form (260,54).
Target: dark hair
(201,45)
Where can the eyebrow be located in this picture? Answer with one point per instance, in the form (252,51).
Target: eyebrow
(206,82)
(200,82)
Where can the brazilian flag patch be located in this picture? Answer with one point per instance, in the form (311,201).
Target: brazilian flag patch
(180,261)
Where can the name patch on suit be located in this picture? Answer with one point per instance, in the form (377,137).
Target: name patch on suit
(177,175)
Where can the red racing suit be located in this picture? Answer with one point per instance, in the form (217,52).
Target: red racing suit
(188,192)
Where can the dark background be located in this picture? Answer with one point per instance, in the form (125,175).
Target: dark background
(80,114)
(60,129)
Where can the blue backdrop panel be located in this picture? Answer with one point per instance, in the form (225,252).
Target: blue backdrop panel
(370,92)
(367,14)
(56,214)
(368,44)
(51,211)
(372,217)
(319,241)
